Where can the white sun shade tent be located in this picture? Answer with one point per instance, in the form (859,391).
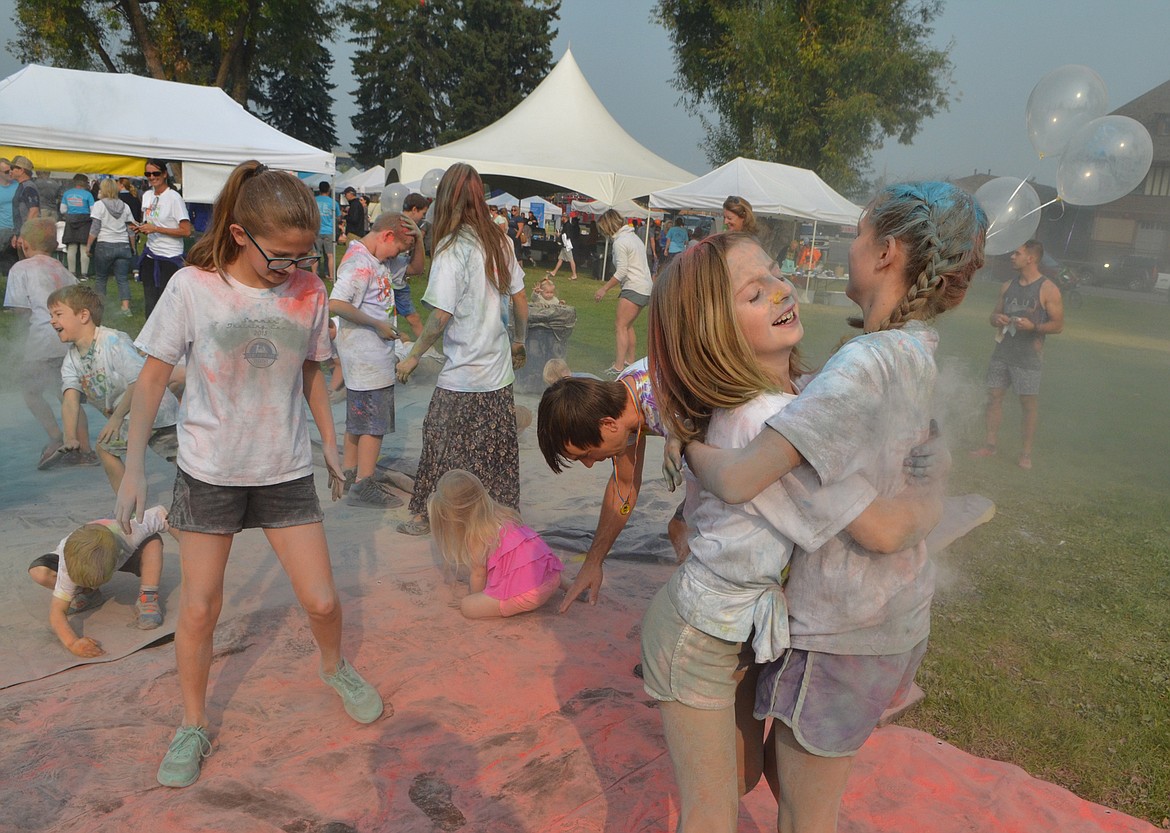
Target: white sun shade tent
(592,153)
(74,120)
(770,187)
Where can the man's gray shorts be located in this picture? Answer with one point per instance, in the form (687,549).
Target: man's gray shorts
(1023,381)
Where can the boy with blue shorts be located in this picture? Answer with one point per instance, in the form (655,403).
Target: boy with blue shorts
(409,263)
(363,300)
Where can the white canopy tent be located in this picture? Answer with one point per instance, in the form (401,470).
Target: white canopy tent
(592,155)
(504,200)
(770,187)
(550,209)
(366,182)
(72,120)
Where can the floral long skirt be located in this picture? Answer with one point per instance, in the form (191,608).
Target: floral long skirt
(475,432)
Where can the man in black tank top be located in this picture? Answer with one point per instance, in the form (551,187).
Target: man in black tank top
(1029,308)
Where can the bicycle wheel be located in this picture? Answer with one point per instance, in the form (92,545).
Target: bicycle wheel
(1073,299)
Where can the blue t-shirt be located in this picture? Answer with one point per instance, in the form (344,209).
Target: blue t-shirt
(76,201)
(7,194)
(676,239)
(328,209)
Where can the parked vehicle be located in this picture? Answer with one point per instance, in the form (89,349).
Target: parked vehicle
(1132,272)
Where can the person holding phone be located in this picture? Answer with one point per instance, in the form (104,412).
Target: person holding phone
(165,222)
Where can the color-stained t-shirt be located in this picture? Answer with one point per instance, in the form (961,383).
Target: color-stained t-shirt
(243,419)
(367,359)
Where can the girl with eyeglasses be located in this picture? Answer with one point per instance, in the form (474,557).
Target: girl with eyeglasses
(165,222)
(251,319)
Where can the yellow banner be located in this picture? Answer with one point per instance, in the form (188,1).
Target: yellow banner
(76,161)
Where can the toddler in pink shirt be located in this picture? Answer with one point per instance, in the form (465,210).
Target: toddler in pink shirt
(512,569)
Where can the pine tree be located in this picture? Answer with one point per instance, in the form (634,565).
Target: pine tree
(431,72)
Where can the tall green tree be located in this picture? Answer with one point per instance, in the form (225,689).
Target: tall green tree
(291,89)
(255,50)
(816,83)
(430,72)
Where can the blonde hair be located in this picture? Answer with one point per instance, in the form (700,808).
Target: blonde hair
(942,230)
(40,235)
(91,553)
(699,358)
(555,369)
(610,223)
(465,521)
(108,189)
(261,200)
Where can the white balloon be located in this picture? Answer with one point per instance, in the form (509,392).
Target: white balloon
(1013,213)
(1104,160)
(1061,103)
(393,195)
(429,186)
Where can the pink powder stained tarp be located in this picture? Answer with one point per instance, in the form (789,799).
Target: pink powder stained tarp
(530,724)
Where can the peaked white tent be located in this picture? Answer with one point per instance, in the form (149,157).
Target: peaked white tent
(504,200)
(546,208)
(366,182)
(770,187)
(72,120)
(595,156)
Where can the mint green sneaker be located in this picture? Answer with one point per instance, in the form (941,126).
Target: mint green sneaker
(180,766)
(362,701)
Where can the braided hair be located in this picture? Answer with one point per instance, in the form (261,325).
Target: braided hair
(942,230)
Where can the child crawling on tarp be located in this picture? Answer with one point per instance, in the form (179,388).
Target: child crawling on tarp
(87,559)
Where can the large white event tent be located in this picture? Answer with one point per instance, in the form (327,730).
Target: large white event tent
(560,134)
(73,120)
(770,187)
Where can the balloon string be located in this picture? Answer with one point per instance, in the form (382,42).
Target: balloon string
(1017,219)
(1023,182)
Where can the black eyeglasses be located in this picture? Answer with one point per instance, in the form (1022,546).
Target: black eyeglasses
(152,174)
(279,264)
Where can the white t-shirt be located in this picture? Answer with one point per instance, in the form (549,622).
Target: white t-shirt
(633,269)
(165,210)
(861,414)
(566,242)
(154,521)
(732,579)
(479,357)
(108,367)
(242,420)
(397,266)
(30,283)
(113,220)
(367,359)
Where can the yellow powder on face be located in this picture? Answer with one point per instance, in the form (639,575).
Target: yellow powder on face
(777,298)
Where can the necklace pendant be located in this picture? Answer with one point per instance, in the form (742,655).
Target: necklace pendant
(625,510)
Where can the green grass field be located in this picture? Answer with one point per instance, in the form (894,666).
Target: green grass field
(1051,639)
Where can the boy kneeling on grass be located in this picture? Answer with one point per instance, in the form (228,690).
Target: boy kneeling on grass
(87,559)
(103,366)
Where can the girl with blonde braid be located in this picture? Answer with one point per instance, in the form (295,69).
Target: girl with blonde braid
(858,621)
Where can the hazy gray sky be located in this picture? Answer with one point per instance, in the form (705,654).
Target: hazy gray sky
(999,48)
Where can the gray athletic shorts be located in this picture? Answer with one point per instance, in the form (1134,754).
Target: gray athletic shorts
(1022,380)
(635,297)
